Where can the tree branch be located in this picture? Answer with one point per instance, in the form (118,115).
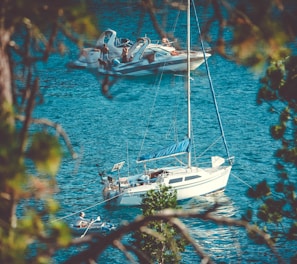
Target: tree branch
(100,243)
(56,126)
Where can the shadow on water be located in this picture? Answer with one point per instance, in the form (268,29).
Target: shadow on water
(129,88)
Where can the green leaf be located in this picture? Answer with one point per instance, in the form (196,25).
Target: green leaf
(46,153)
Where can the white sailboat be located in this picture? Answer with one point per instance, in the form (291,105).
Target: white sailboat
(188,181)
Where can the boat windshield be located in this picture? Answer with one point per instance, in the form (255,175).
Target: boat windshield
(136,47)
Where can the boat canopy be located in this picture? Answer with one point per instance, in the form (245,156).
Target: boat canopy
(172,150)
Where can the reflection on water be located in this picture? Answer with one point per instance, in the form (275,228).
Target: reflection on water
(220,242)
(223,243)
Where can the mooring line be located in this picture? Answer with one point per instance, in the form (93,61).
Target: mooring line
(274,194)
(87,208)
(241,180)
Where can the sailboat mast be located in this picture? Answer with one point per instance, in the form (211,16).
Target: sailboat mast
(188,77)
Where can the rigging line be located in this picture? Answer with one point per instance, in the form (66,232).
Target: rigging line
(242,181)
(174,125)
(87,208)
(180,161)
(176,20)
(215,142)
(211,86)
(151,113)
(274,194)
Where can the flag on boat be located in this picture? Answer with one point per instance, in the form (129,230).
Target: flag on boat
(172,150)
(117,166)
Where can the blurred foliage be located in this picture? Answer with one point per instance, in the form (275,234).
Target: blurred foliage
(29,32)
(169,244)
(247,32)
(277,213)
(46,152)
(32,192)
(253,33)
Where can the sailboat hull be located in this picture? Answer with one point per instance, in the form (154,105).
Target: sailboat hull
(188,183)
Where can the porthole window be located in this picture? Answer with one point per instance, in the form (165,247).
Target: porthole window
(176,180)
(192,177)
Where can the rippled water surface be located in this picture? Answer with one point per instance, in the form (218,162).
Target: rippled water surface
(105,131)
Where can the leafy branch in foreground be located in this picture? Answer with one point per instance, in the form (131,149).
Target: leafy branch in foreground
(260,29)
(97,243)
(26,196)
(30,32)
(159,241)
(277,214)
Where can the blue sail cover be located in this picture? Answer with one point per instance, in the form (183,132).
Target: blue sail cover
(173,150)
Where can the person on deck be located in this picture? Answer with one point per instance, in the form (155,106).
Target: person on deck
(125,54)
(104,60)
(105,51)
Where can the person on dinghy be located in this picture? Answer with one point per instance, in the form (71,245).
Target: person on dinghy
(81,221)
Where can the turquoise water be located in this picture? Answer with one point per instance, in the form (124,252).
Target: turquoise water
(106,131)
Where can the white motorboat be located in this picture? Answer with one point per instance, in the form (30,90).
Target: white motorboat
(89,57)
(145,58)
(189,181)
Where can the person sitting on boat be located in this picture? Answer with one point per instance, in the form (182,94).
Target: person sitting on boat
(174,53)
(81,221)
(165,41)
(150,57)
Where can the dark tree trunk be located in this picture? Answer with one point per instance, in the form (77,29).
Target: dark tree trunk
(5,74)
(7,197)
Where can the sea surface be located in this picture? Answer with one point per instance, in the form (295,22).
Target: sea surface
(108,128)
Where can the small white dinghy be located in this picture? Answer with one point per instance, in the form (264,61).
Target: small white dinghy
(93,226)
